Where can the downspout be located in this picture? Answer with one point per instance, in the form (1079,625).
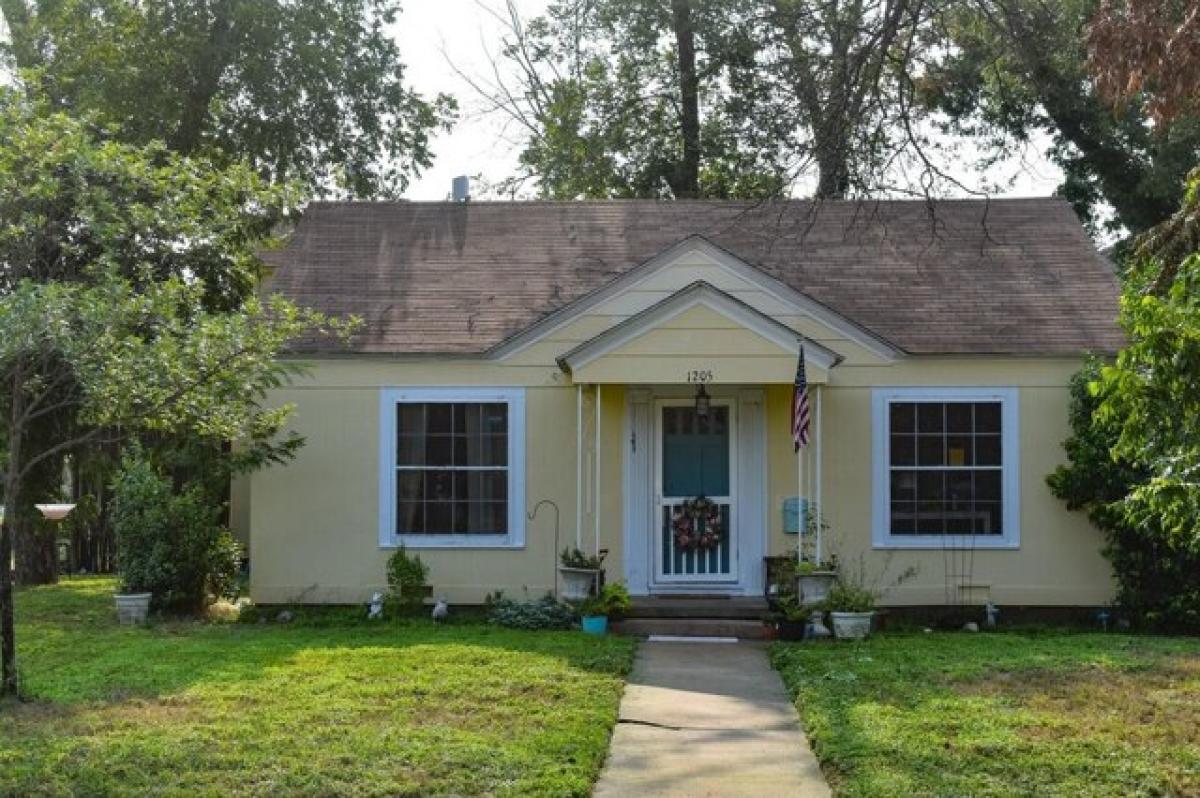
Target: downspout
(596,502)
(578,466)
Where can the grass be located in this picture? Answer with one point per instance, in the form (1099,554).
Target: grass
(1003,714)
(327,705)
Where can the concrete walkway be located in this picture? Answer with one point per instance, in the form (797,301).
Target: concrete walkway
(708,719)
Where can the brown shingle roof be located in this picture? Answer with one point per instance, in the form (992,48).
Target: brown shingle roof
(965,276)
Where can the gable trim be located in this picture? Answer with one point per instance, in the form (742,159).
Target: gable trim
(803,303)
(697,294)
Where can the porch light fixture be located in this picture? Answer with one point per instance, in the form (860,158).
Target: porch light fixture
(703,401)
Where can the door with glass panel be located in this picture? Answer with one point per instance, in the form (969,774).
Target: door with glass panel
(694,501)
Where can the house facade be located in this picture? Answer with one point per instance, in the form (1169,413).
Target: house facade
(527,376)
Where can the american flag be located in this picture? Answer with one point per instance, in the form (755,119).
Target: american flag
(800,410)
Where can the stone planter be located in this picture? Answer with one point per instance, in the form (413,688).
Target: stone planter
(814,587)
(577,582)
(851,625)
(132,608)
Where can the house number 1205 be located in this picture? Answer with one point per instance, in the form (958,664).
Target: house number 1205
(700,375)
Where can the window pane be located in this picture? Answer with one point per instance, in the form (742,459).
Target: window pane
(931,450)
(439,418)
(410,518)
(410,450)
(988,518)
(495,517)
(902,417)
(958,522)
(903,450)
(438,450)
(959,451)
(410,485)
(931,486)
(904,486)
(959,489)
(987,417)
(439,485)
(410,419)
(930,417)
(987,450)
(958,417)
(495,418)
(903,518)
(439,518)
(987,485)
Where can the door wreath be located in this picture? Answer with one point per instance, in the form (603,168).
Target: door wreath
(696,524)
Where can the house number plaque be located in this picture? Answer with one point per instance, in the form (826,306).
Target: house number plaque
(700,375)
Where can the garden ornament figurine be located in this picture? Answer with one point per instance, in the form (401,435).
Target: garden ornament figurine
(376,607)
(441,610)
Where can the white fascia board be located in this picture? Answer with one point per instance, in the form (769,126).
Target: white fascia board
(695,295)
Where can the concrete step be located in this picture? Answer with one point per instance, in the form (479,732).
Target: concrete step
(691,627)
(733,608)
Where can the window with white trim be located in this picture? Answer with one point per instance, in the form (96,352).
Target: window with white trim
(452,467)
(946,468)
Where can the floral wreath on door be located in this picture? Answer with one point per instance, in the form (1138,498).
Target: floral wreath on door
(696,524)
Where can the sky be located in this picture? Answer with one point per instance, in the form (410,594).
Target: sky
(433,34)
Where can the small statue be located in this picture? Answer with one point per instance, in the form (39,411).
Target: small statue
(376,607)
(441,610)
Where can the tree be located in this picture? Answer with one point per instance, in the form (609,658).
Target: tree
(311,91)
(109,257)
(715,98)
(1149,47)
(1017,67)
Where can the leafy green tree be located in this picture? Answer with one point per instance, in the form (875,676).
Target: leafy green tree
(1020,67)
(308,91)
(1134,453)
(110,257)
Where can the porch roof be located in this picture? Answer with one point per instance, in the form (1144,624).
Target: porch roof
(698,334)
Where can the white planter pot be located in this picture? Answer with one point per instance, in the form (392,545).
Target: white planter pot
(132,608)
(814,587)
(577,582)
(851,625)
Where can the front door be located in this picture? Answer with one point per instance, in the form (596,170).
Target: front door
(695,541)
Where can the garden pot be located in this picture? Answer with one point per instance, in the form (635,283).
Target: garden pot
(813,588)
(595,624)
(851,625)
(577,582)
(132,608)
(792,631)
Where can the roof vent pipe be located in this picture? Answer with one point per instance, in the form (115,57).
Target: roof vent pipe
(460,190)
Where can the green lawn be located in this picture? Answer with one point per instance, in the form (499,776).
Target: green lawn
(1005,714)
(312,708)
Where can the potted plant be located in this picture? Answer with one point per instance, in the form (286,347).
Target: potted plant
(793,618)
(407,579)
(579,573)
(852,608)
(814,581)
(612,601)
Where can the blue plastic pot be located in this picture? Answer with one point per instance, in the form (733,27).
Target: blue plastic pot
(595,624)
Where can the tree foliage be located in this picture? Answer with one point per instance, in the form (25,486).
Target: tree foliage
(308,91)
(112,258)
(1015,68)
(1134,453)
(714,98)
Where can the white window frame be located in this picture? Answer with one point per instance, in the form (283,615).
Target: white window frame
(389,398)
(1010,459)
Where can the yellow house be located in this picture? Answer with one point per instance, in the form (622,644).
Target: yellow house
(527,378)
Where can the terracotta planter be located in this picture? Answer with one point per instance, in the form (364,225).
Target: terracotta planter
(814,587)
(132,608)
(577,582)
(851,625)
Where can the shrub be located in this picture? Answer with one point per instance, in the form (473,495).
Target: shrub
(406,577)
(612,601)
(545,613)
(574,558)
(169,544)
(849,598)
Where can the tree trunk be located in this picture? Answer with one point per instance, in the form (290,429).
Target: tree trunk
(12,498)
(34,541)
(687,180)
(218,44)
(17,18)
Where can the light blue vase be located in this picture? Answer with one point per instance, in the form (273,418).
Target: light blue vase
(595,624)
